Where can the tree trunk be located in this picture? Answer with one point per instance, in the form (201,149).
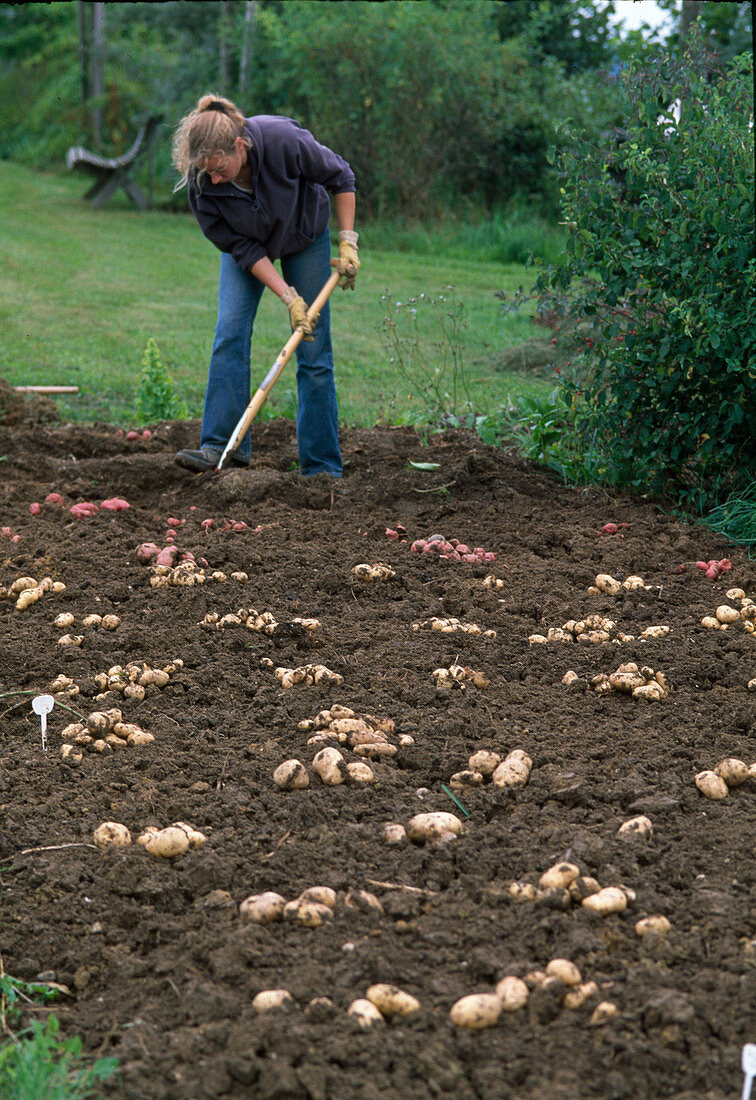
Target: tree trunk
(84,13)
(248,38)
(98,72)
(224,52)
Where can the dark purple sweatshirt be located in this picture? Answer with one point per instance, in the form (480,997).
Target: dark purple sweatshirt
(289,207)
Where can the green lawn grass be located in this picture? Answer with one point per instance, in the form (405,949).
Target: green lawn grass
(82,291)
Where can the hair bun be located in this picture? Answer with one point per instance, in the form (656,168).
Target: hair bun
(216,105)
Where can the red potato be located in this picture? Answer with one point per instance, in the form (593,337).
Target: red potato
(206,524)
(54,498)
(167,555)
(115,504)
(146,551)
(173,522)
(146,434)
(132,435)
(35,508)
(85,508)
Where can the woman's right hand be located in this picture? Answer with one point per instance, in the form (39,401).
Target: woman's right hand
(297,308)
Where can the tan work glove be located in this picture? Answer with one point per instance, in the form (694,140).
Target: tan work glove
(297,308)
(348,263)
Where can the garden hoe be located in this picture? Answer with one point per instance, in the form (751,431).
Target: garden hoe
(285,354)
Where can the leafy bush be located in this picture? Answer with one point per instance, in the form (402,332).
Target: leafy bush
(155,395)
(660,261)
(40,1065)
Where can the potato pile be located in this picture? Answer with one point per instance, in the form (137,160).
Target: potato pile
(726,615)
(512,771)
(310,909)
(92,621)
(492,582)
(458,676)
(103,732)
(187,574)
(595,629)
(715,783)
(364,733)
(562,886)
(378,572)
(163,843)
(383,1002)
(628,679)
(261,623)
(561,980)
(451,550)
(25,591)
(329,765)
(451,626)
(133,680)
(610,586)
(305,674)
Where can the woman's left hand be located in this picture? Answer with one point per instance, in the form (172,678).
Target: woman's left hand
(348,263)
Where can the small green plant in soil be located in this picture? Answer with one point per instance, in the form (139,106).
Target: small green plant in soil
(37,1063)
(155,394)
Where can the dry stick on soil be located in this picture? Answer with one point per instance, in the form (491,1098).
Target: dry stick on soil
(401,886)
(286,835)
(55,848)
(219,784)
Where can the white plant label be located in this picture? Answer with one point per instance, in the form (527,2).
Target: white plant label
(748,1063)
(42,705)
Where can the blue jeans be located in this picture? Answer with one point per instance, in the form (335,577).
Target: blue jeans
(228,383)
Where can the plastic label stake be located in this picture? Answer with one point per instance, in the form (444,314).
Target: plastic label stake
(748,1063)
(42,705)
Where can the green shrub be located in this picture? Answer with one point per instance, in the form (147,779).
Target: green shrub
(155,395)
(660,261)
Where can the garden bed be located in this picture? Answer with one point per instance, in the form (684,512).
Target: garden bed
(160,968)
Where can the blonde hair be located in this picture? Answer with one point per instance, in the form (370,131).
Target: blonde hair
(211,129)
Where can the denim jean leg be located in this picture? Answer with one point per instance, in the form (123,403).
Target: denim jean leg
(317,409)
(228,384)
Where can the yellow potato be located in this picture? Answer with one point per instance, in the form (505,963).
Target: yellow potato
(658,924)
(512,992)
(91,620)
(561,874)
(167,843)
(329,764)
(523,891)
(65,619)
(394,833)
(424,827)
(636,826)
(711,785)
(360,773)
(291,776)
(607,584)
(578,995)
(514,770)
(195,837)
(309,914)
(565,971)
(322,894)
(609,900)
(476,1011)
(602,1013)
(484,761)
(262,908)
(365,1013)
(727,614)
(734,772)
(392,1001)
(270,999)
(111,834)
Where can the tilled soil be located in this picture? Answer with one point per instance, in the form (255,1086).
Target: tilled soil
(160,969)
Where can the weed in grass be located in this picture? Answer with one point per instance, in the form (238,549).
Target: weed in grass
(423,339)
(736,518)
(155,395)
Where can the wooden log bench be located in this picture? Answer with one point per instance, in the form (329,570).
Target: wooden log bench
(115,172)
